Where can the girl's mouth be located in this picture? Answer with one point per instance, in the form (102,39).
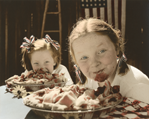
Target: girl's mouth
(101,76)
(98,72)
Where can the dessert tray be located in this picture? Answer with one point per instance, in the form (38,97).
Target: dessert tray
(35,87)
(32,81)
(79,114)
(36,80)
(74,101)
(77,111)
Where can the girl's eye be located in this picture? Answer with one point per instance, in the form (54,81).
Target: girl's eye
(47,61)
(36,63)
(101,51)
(84,58)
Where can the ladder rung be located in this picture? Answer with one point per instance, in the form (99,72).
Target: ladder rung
(51,31)
(53,12)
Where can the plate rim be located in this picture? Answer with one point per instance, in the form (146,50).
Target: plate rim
(75,111)
(38,84)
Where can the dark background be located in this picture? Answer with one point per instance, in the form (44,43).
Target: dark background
(20,18)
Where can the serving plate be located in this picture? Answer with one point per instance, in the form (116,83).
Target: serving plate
(74,111)
(35,87)
(79,114)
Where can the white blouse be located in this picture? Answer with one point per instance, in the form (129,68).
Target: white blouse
(134,84)
(62,69)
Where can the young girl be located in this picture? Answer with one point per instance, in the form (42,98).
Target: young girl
(43,53)
(95,47)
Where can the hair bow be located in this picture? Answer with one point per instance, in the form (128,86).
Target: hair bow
(78,72)
(49,40)
(28,43)
(123,58)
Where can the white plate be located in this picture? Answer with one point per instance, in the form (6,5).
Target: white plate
(35,87)
(33,84)
(78,111)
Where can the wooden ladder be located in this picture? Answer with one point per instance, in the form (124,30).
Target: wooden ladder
(44,20)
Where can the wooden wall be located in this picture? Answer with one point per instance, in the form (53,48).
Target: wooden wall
(137,38)
(19,19)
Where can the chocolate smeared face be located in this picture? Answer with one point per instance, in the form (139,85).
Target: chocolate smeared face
(101,77)
(96,56)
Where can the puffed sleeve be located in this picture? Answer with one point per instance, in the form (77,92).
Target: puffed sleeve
(135,84)
(63,69)
(139,92)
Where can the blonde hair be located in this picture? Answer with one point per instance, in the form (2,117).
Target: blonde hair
(38,45)
(85,26)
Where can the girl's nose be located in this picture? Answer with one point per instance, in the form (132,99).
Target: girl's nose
(95,62)
(42,66)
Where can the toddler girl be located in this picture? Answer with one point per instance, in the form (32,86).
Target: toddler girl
(95,47)
(43,53)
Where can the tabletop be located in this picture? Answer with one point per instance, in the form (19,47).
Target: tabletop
(13,108)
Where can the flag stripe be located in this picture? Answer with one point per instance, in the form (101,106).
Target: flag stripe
(123,18)
(95,12)
(87,14)
(113,21)
(109,12)
(102,14)
(106,14)
(116,13)
(91,12)
(98,12)
(119,14)
(83,13)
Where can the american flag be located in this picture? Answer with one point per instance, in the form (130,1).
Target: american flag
(111,11)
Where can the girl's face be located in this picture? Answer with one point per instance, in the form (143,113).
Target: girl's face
(42,59)
(95,54)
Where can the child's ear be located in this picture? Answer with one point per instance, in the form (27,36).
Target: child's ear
(54,64)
